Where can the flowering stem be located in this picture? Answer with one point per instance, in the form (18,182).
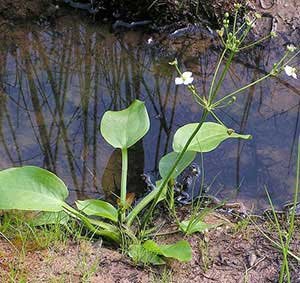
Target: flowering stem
(221,79)
(292,57)
(215,74)
(256,42)
(168,177)
(244,35)
(234,22)
(216,118)
(192,89)
(239,90)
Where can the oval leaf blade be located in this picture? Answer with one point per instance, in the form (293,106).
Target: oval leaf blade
(196,226)
(98,208)
(181,251)
(46,218)
(31,188)
(124,128)
(207,139)
(167,161)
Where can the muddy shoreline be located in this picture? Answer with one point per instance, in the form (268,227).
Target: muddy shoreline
(234,252)
(164,15)
(160,12)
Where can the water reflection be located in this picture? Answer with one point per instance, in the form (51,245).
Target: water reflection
(56,83)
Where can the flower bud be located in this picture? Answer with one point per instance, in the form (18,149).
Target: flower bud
(273,34)
(173,63)
(257,15)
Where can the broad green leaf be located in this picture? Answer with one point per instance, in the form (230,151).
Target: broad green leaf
(195,226)
(139,254)
(46,218)
(167,162)
(98,208)
(150,252)
(151,246)
(31,188)
(207,139)
(124,128)
(181,251)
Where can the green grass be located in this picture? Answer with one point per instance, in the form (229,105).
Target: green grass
(285,232)
(23,236)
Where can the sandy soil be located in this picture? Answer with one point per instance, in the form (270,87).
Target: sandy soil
(231,253)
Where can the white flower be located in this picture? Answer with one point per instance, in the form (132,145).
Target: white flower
(186,79)
(290,71)
(150,40)
(291,47)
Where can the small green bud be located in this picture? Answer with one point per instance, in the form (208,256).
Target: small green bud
(257,15)
(174,63)
(220,32)
(291,47)
(237,6)
(273,34)
(226,15)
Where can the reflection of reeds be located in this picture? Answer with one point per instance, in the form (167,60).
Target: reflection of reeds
(64,83)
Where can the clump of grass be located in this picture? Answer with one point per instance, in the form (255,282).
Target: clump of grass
(285,234)
(25,236)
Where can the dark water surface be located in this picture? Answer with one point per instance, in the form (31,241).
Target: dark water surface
(56,83)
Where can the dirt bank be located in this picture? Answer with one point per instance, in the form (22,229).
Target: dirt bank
(234,252)
(281,15)
(25,9)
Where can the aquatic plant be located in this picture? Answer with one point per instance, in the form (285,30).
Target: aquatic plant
(33,188)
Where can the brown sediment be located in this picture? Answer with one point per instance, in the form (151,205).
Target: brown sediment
(24,9)
(230,253)
(281,15)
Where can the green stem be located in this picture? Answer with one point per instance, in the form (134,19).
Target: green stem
(234,22)
(292,220)
(124,183)
(292,57)
(255,42)
(248,28)
(284,266)
(140,206)
(221,79)
(239,90)
(215,74)
(168,177)
(108,230)
(216,118)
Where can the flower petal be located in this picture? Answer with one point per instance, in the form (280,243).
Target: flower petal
(291,47)
(288,70)
(187,75)
(188,81)
(178,81)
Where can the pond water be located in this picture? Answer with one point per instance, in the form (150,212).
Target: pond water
(56,83)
